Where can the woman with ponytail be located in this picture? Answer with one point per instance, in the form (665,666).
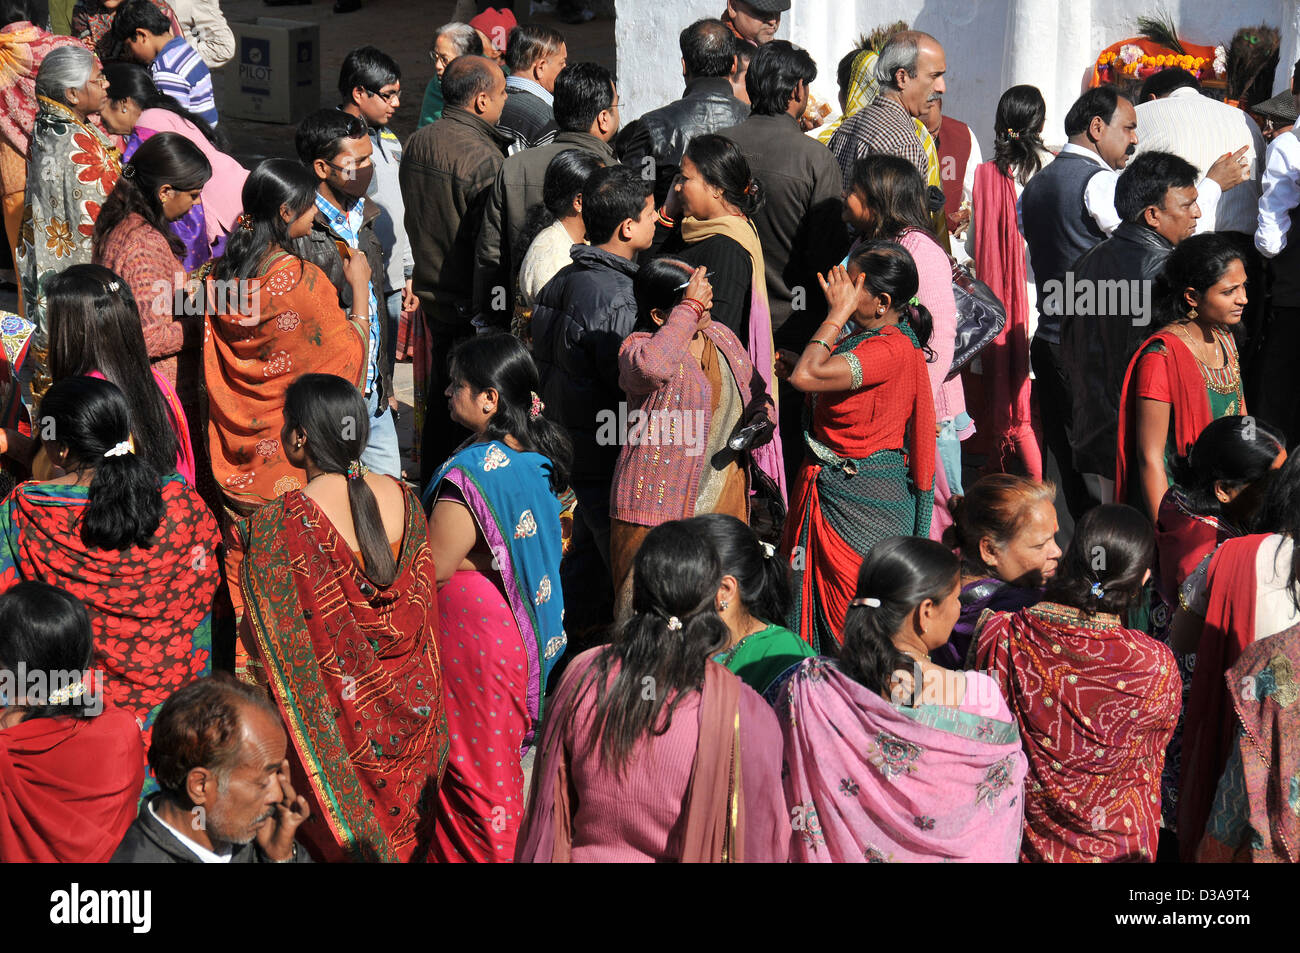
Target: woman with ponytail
(653,751)
(755,602)
(136,111)
(271,317)
(95,331)
(495,532)
(1096,701)
(133,238)
(345,562)
(138,549)
(892,758)
(692,389)
(869,401)
(999,394)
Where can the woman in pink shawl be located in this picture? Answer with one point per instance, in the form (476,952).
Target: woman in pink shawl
(889,757)
(136,110)
(652,751)
(998,393)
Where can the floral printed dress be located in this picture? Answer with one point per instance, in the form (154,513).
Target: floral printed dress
(150,609)
(72,167)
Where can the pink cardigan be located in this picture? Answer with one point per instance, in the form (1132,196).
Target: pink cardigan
(655,482)
(223,194)
(935,272)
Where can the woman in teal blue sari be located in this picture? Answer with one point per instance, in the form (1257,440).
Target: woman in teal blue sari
(495,532)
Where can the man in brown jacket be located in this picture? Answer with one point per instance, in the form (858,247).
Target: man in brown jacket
(446,173)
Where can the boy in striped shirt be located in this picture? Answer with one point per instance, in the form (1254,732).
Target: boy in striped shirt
(178,70)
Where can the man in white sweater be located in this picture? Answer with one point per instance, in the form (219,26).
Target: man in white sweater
(205,29)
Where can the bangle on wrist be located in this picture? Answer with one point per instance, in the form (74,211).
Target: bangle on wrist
(822,343)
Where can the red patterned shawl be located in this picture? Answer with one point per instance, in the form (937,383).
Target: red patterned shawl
(354,670)
(1097,704)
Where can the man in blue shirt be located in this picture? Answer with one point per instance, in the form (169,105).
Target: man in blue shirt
(178,70)
(334,145)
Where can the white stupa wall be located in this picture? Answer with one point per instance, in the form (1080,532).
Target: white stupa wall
(990,44)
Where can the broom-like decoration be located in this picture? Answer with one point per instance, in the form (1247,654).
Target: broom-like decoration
(1160,30)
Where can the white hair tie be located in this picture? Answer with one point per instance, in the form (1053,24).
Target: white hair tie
(120,449)
(868,601)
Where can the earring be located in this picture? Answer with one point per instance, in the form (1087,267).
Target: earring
(880,310)
(1192,315)
(722,606)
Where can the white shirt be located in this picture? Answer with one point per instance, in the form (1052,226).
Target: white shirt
(1200,130)
(1099,196)
(205,29)
(202,853)
(1281,194)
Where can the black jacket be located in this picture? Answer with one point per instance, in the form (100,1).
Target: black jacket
(800,224)
(664,133)
(1118,274)
(318,248)
(579,322)
(149,841)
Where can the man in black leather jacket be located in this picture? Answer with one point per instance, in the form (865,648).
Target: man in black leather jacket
(661,135)
(1107,300)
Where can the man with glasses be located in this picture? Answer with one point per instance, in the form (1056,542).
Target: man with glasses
(335,147)
(587,110)
(755,21)
(370,84)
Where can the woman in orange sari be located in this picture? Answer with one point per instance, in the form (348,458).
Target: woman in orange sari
(270,317)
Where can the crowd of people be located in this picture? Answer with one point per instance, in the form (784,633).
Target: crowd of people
(723,544)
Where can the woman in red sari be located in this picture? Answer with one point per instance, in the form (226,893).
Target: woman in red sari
(270,317)
(1248,592)
(70,769)
(138,550)
(869,399)
(339,593)
(1185,375)
(1220,486)
(1096,702)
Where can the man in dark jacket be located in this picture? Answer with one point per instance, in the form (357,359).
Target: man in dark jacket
(1106,302)
(535,55)
(800,224)
(708,59)
(586,111)
(218,752)
(334,145)
(579,322)
(446,173)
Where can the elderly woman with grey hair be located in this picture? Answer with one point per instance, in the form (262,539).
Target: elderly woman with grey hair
(72,168)
(450,41)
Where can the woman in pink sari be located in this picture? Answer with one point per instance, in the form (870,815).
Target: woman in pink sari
(652,751)
(95,331)
(890,757)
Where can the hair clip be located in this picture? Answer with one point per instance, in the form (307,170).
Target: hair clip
(120,449)
(61,696)
(1098,591)
(869,601)
(674,624)
(1012,134)
(768,550)
(128,171)
(357,469)
(245,221)
(914,301)
(536,408)
(751,188)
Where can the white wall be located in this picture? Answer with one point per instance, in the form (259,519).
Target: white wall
(990,44)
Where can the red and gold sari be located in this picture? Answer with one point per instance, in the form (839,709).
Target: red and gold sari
(1096,703)
(354,670)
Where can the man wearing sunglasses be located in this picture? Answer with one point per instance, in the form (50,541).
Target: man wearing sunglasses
(370,84)
(755,21)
